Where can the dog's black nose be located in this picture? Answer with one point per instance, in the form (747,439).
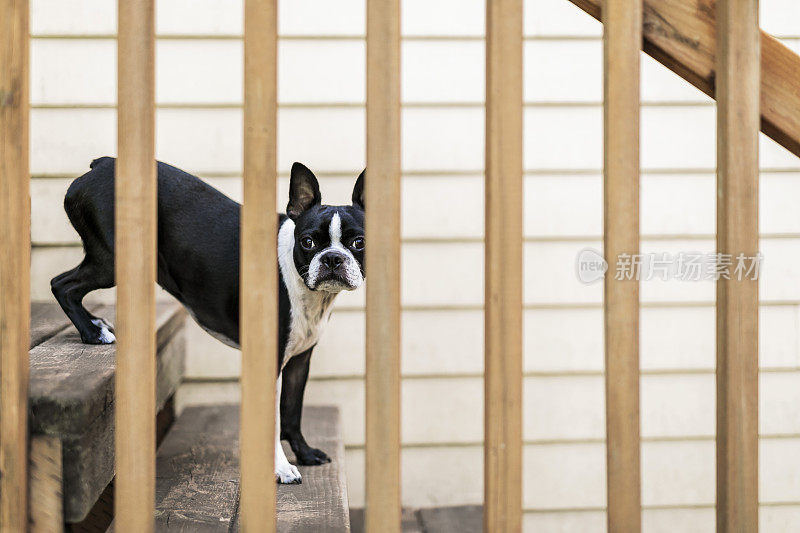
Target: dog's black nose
(332,260)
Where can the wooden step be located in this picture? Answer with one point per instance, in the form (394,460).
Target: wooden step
(459,519)
(72,397)
(197,480)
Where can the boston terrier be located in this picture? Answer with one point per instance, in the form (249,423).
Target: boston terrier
(320,253)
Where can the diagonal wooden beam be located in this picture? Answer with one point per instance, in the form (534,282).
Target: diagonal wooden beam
(681,34)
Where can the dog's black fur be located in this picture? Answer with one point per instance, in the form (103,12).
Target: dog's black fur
(198,263)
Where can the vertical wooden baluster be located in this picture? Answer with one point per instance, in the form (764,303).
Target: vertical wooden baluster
(382,198)
(259,267)
(15,247)
(47,483)
(737,94)
(622,38)
(135,239)
(503,267)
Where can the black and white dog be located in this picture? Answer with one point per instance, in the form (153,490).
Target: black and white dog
(320,253)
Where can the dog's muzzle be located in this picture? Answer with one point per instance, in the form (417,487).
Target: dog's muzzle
(334,271)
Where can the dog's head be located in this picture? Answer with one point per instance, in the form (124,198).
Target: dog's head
(328,240)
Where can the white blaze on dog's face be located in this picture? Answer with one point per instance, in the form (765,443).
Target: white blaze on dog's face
(328,240)
(334,267)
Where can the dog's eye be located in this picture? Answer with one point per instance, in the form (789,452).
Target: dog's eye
(358,243)
(307,243)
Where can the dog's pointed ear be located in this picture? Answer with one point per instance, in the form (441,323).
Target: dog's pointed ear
(358,190)
(303,191)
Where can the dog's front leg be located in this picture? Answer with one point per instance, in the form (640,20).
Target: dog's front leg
(285,472)
(295,376)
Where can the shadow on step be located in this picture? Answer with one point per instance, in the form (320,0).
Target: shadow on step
(461,519)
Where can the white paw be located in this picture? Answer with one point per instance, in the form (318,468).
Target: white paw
(287,474)
(106,337)
(102,323)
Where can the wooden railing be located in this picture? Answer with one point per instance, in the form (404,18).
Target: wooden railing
(737,94)
(682,35)
(259,267)
(502,449)
(135,272)
(739,90)
(621,40)
(382,265)
(15,250)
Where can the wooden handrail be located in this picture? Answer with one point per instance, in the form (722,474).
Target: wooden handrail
(681,35)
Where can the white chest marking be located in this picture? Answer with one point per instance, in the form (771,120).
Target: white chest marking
(310,310)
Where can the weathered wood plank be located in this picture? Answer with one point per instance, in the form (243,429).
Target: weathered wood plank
(101,514)
(197,471)
(461,519)
(46,511)
(503,265)
(47,319)
(681,34)
(737,234)
(410,521)
(15,251)
(320,503)
(198,475)
(72,383)
(258,265)
(89,456)
(622,26)
(382,260)
(72,398)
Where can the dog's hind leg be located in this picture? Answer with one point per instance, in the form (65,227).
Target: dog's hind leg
(70,288)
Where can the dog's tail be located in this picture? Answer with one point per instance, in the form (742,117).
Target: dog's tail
(99,160)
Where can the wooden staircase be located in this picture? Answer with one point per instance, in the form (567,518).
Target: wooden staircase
(71,403)
(197,479)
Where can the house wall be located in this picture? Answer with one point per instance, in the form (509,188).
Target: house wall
(321,123)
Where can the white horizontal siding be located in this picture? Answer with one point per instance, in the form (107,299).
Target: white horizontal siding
(673,407)
(438,274)
(569,477)
(306,17)
(558,207)
(206,71)
(347,17)
(321,123)
(438,139)
(557,342)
